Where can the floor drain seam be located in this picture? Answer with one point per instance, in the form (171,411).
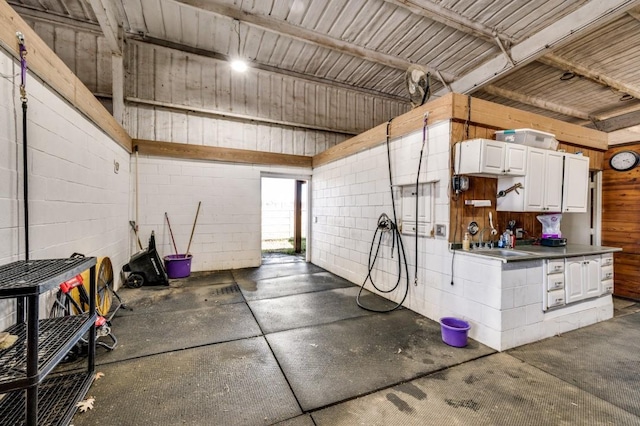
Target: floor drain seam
(275,358)
(175,350)
(387,387)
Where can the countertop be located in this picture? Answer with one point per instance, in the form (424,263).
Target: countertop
(532,252)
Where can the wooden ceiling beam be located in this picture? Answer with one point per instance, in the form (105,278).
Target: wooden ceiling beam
(452,19)
(108,21)
(617,123)
(536,102)
(635,13)
(559,62)
(628,135)
(559,33)
(305,35)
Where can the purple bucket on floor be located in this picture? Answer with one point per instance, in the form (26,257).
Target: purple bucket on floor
(454,331)
(178,265)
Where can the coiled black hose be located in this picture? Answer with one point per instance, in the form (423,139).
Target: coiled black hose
(385,224)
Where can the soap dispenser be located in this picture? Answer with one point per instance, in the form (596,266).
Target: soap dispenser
(466,243)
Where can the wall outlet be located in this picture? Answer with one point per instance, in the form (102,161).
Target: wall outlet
(441,230)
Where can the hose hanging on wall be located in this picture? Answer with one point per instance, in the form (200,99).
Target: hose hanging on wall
(386,225)
(20,306)
(23,99)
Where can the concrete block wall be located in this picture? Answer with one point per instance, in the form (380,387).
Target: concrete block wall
(349,195)
(77,203)
(228,231)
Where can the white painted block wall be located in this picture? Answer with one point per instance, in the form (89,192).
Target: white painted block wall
(77,202)
(228,231)
(502,302)
(348,196)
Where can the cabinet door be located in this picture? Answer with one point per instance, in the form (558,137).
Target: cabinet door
(492,157)
(592,278)
(408,204)
(534,181)
(553,181)
(515,160)
(573,279)
(576,184)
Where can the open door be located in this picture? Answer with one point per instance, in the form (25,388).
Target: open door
(284,219)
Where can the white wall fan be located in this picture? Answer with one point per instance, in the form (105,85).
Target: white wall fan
(418,84)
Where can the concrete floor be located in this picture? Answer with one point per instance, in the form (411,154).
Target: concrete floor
(286,344)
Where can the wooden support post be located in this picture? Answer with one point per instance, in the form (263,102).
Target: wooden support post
(297,217)
(117,72)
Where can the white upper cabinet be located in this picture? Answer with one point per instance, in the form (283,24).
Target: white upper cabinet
(554,182)
(489,158)
(576,184)
(541,186)
(515,159)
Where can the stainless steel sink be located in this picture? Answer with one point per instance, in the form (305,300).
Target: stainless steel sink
(504,252)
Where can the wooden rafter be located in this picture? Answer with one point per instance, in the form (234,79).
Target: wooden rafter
(535,101)
(452,19)
(552,37)
(559,62)
(303,34)
(104,11)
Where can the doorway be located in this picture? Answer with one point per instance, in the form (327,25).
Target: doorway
(284,219)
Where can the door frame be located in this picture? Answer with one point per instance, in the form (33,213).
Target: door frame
(294,177)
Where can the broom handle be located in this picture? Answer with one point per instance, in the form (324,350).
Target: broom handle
(171,232)
(194,227)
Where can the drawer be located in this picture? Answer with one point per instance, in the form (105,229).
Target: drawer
(555,282)
(555,298)
(607,273)
(555,266)
(607,259)
(607,286)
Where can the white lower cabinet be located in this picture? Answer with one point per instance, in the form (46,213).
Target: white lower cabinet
(554,288)
(582,278)
(606,264)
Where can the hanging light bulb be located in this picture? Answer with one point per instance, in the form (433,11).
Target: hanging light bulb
(238,64)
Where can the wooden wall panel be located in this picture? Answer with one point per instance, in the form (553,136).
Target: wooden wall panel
(620,227)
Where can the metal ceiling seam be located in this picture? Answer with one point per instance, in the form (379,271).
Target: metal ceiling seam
(555,35)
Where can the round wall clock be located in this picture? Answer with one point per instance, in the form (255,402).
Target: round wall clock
(624,160)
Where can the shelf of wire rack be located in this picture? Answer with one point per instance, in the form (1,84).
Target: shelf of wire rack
(57,398)
(30,397)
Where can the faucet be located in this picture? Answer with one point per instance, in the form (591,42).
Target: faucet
(480,236)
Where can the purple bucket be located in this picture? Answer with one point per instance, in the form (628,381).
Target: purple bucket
(178,265)
(454,331)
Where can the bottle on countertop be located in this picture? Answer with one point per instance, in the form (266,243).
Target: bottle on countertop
(466,244)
